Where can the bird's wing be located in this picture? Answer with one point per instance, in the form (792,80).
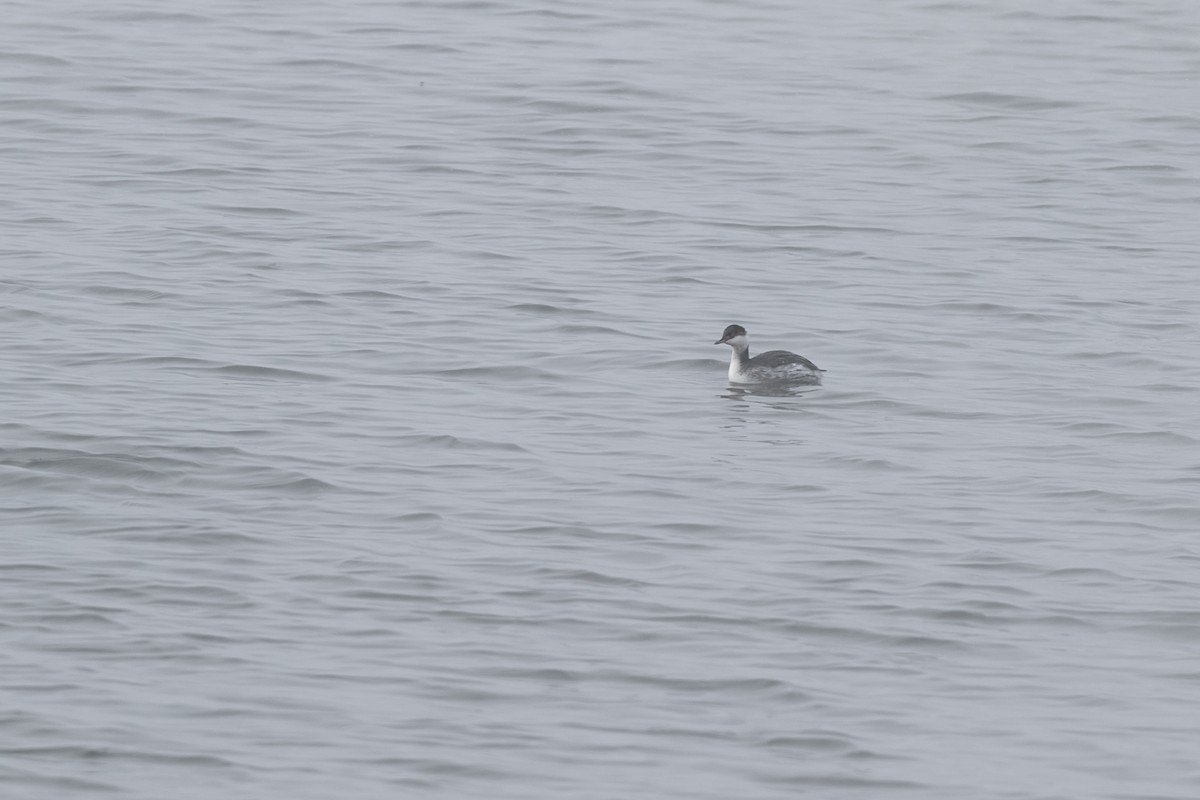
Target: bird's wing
(781,358)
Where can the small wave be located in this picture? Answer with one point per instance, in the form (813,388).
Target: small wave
(594,330)
(585,576)
(826,744)
(686,365)
(250,372)
(258,211)
(509,372)
(417,516)
(449,442)
(1008,101)
(34,59)
(843,781)
(124,293)
(544,309)
(97,753)
(119,466)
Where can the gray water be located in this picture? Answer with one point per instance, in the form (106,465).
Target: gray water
(363,436)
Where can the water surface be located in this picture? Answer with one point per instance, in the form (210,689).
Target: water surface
(363,436)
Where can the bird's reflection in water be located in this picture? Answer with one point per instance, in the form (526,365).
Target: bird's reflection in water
(769,390)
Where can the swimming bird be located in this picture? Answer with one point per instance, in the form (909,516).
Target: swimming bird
(772,366)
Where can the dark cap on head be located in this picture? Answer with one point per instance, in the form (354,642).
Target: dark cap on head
(730,332)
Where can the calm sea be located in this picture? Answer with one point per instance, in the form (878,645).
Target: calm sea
(363,436)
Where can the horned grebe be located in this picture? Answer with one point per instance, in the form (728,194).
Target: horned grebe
(769,367)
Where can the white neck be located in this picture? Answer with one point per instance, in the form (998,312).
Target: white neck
(739,357)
